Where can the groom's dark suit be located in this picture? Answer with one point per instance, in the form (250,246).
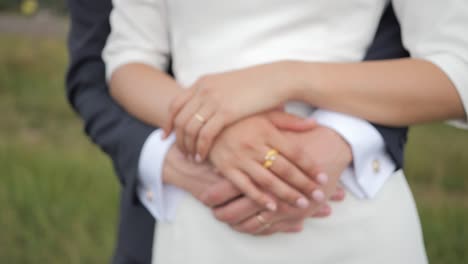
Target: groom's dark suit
(121,136)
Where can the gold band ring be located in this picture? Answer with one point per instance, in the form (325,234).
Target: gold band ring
(261,220)
(270,157)
(200,118)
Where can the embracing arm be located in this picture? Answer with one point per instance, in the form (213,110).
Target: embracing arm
(137,59)
(433,85)
(395,92)
(119,135)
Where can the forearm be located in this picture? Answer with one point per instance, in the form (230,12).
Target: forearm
(391,92)
(144,91)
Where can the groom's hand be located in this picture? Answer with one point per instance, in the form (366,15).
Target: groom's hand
(195,178)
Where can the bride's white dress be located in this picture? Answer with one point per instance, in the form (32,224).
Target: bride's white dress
(207,36)
(382,230)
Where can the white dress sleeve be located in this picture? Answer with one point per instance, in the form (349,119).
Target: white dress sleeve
(139,34)
(436,31)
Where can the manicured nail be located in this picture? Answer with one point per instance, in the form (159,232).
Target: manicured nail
(198,158)
(318,195)
(322,178)
(163,135)
(271,206)
(302,202)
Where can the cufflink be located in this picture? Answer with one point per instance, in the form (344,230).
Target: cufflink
(149,195)
(376,166)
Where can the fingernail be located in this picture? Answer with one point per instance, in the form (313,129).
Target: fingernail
(322,178)
(198,158)
(302,202)
(163,135)
(318,195)
(271,206)
(326,210)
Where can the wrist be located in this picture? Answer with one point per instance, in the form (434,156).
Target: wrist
(169,175)
(344,151)
(307,79)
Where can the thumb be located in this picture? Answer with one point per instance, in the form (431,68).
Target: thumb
(285,121)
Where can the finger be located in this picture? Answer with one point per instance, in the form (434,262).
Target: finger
(185,115)
(284,227)
(193,128)
(220,193)
(273,184)
(245,184)
(208,133)
(324,211)
(339,194)
(291,175)
(237,211)
(285,121)
(297,157)
(256,224)
(291,227)
(174,109)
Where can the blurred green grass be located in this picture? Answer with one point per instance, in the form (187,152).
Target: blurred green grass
(58,194)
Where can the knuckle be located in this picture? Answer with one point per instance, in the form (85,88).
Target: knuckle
(286,171)
(303,213)
(205,136)
(225,216)
(266,182)
(250,229)
(247,144)
(178,123)
(309,187)
(174,105)
(212,198)
(289,196)
(297,153)
(258,196)
(190,131)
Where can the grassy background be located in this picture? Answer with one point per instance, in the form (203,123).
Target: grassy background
(58,194)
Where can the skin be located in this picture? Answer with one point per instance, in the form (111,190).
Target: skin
(395,93)
(320,147)
(238,211)
(239,152)
(152,83)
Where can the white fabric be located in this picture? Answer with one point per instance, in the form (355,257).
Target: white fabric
(163,198)
(367,146)
(383,230)
(211,36)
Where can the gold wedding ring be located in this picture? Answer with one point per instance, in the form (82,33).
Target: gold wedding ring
(261,220)
(270,157)
(200,118)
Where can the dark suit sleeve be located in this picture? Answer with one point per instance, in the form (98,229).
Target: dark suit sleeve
(388,45)
(117,133)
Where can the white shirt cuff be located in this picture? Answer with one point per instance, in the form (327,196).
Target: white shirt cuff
(160,199)
(372,165)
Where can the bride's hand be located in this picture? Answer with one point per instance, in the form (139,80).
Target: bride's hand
(239,154)
(218,100)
